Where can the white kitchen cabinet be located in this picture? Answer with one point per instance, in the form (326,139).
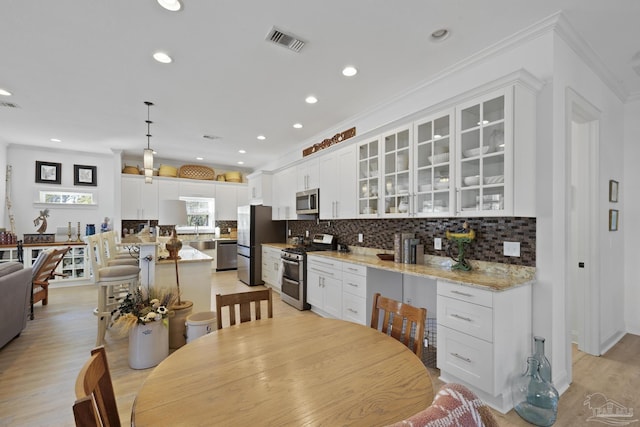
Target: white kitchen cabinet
(433,166)
(168,189)
(484,338)
(271,267)
(307,175)
(260,188)
(324,286)
(369,178)
(354,293)
(397,173)
(284,194)
(337,184)
(495,154)
(139,199)
(194,188)
(228,198)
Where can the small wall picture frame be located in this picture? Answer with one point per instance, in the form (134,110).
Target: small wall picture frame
(613,191)
(614,217)
(48,173)
(85,175)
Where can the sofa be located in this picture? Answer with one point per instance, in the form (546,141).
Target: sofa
(15,290)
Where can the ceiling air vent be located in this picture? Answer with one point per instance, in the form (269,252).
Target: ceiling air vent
(8,105)
(289,41)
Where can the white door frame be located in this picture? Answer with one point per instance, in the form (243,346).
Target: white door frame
(581,110)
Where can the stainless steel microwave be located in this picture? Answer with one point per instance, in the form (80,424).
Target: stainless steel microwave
(307,202)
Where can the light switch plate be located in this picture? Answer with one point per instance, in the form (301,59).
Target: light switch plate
(360,238)
(437,244)
(512,249)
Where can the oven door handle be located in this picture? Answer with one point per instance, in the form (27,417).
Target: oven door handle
(286,279)
(289,262)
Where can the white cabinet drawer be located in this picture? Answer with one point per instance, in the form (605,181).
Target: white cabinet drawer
(465,293)
(475,320)
(324,263)
(354,308)
(355,285)
(469,359)
(360,270)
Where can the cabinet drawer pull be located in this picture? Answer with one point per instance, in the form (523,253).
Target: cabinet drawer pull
(315,261)
(464,294)
(457,316)
(352,310)
(466,359)
(352,284)
(352,269)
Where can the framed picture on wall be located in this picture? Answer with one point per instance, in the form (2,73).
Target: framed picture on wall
(613,219)
(48,173)
(85,175)
(613,191)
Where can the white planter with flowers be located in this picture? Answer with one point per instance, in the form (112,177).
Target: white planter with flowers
(148,344)
(143,315)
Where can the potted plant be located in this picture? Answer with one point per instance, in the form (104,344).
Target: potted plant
(144,315)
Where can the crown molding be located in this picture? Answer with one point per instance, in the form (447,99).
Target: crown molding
(567,33)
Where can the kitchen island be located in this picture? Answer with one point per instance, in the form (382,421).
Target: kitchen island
(194,270)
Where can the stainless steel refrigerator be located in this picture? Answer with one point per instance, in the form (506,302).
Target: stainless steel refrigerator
(256,227)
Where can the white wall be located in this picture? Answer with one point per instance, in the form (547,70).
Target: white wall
(24,188)
(630,196)
(572,72)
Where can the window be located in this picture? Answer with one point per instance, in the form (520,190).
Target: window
(66,197)
(200,215)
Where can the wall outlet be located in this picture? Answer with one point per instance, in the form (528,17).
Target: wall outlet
(306,233)
(360,238)
(289,232)
(511,249)
(437,244)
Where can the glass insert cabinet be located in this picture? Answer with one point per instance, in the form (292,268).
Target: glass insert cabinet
(72,265)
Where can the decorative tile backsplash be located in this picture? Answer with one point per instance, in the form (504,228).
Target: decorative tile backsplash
(491,232)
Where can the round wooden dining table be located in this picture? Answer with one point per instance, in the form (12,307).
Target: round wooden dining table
(297,371)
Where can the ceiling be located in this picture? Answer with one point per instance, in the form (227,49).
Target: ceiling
(80,71)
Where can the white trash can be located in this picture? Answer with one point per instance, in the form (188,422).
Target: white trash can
(199,324)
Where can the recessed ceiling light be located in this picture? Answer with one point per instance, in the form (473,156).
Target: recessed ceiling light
(439,35)
(242,151)
(298,125)
(154,152)
(241,162)
(56,140)
(311,99)
(436,136)
(172,5)
(4,92)
(199,158)
(349,71)
(162,57)
(261,137)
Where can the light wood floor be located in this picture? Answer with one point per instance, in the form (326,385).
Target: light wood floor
(39,368)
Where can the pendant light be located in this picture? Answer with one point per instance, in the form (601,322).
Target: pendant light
(148,152)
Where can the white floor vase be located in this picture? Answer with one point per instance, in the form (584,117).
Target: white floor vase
(148,344)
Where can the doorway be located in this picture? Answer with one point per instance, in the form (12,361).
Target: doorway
(582,291)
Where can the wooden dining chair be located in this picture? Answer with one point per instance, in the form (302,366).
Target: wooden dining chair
(403,322)
(244,300)
(95,400)
(43,270)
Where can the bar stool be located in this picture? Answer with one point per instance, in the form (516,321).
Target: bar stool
(113,284)
(112,255)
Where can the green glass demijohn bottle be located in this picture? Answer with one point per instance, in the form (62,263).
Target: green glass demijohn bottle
(535,399)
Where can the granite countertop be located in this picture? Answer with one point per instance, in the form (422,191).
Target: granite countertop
(187,254)
(492,276)
(489,275)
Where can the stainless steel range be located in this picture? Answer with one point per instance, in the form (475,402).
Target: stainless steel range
(294,270)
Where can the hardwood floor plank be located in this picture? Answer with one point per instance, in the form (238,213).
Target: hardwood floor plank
(41,365)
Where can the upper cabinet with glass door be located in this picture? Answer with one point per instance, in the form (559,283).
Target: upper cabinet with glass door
(495,152)
(397,178)
(434,166)
(482,155)
(368,177)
